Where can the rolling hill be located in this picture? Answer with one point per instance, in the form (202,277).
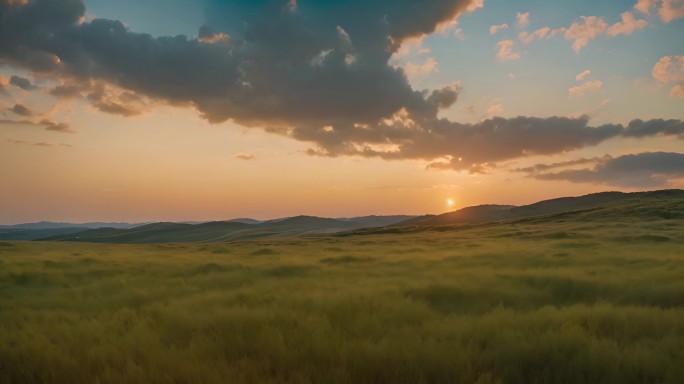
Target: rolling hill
(488,213)
(231,230)
(612,209)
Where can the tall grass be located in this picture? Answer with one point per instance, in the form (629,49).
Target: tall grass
(492,304)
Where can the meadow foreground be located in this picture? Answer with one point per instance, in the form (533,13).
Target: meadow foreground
(551,301)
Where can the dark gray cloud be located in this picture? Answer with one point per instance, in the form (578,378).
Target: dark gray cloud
(21,110)
(316,71)
(648,169)
(562,164)
(639,128)
(56,127)
(22,83)
(46,124)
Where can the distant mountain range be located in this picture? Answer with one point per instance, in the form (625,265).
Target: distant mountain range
(615,203)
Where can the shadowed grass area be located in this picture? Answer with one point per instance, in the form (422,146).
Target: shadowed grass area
(526,302)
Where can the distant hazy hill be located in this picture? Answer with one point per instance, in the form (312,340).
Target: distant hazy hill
(33,231)
(487,213)
(54,225)
(226,230)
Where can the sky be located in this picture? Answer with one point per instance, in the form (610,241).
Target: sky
(170,110)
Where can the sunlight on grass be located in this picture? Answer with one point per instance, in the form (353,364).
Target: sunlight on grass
(481,305)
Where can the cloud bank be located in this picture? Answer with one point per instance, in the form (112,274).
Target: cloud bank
(316,71)
(648,169)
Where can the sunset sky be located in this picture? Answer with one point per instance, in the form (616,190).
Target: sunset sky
(151,110)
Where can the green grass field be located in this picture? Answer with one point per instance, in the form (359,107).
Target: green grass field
(554,301)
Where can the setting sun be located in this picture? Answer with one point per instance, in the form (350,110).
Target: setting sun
(450,203)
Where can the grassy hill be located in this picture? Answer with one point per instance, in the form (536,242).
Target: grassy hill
(221,231)
(489,213)
(594,295)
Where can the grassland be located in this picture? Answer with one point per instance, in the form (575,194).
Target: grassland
(558,300)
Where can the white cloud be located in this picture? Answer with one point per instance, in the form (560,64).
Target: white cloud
(589,28)
(505,50)
(582,75)
(538,34)
(474,5)
(628,25)
(677,92)
(522,19)
(244,156)
(496,28)
(671,10)
(644,6)
(429,66)
(584,88)
(669,69)
(495,107)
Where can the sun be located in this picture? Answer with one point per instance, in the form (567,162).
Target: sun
(450,202)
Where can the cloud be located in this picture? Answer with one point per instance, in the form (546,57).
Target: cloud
(494,108)
(496,28)
(671,10)
(563,164)
(46,124)
(582,75)
(244,156)
(21,110)
(287,69)
(677,92)
(3,86)
(22,83)
(628,25)
(581,32)
(468,108)
(584,88)
(648,169)
(644,6)
(125,104)
(56,127)
(505,50)
(39,144)
(522,19)
(538,34)
(474,5)
(67,91)
(429,66)
(669,69)
(657,127)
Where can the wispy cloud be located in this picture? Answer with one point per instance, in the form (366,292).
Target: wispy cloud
(677,92)
(505,50)
(39,144)
(244,156)
(584,88)
(582,75)
(538,34)
(496,28)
